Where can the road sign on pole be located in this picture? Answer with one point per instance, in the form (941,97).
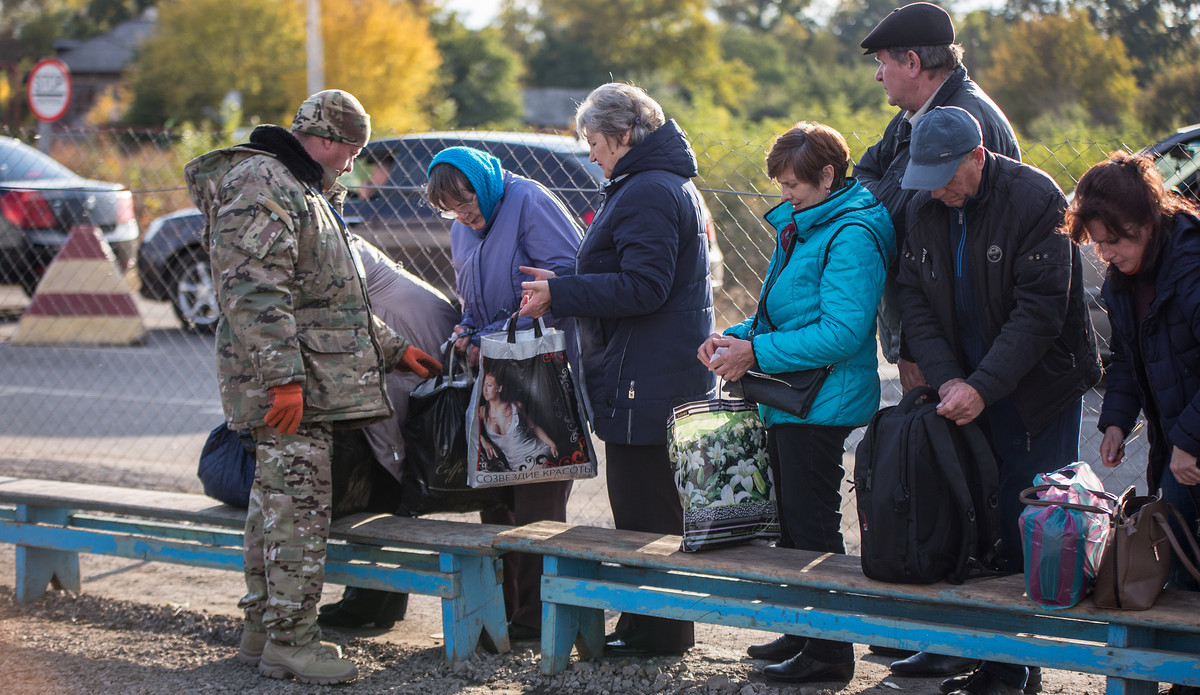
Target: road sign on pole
(49,89)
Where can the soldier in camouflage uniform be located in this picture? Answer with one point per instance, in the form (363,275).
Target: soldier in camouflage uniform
(299,351)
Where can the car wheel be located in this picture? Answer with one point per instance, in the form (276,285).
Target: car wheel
(192,295)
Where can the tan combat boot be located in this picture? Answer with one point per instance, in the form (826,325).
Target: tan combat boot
(252,647)
(315,662)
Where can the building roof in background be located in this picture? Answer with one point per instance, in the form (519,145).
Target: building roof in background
(107,53)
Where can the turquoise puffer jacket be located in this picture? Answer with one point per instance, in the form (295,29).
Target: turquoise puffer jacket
(817,306)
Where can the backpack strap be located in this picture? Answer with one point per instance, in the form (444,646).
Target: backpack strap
(937,428)
(829,246)
(988,505)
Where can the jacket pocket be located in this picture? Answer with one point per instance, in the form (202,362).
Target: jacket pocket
(336,371)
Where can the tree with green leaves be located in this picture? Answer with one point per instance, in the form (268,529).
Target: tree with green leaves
(1173,98)
(1155,32)
(761,16)
(479,76)
(587,42)
(1057,63)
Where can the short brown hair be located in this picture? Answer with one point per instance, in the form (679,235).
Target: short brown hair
(446,186)
(805,150)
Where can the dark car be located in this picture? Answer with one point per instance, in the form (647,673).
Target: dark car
(386,207)
(1178,161)
(41,201)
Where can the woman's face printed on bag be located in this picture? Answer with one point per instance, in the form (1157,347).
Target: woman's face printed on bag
(490,389)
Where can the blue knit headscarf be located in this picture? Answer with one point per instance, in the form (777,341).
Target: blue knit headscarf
(481,169)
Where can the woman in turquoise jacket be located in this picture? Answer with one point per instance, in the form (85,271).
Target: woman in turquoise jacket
(816,309)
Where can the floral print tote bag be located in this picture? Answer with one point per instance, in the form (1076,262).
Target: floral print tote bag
(719,451)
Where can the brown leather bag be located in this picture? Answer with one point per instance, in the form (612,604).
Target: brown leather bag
(1137,557)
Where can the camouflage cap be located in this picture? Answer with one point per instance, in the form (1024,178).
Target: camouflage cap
(334,115)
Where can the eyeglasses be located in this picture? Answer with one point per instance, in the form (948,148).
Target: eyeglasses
(457,210)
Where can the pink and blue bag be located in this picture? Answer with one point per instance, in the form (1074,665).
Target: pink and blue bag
(1064,529)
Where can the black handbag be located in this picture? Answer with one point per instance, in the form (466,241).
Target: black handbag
(791,392)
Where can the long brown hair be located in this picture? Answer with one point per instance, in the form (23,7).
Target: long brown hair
(1123,193)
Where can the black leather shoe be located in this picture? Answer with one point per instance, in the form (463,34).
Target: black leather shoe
(523,633)
(364,608)
(893,652)
(781,648)
(1033,684)
(805,669)
(930,665)
(978,683)
(619,647)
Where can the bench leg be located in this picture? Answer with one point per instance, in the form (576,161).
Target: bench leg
(1123,636)
(565,626)
(477,611)
(39,567)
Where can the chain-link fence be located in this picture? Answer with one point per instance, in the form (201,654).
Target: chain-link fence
(137,415)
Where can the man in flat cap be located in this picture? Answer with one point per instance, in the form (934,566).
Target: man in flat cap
(992,304)
(920,67)
(298,351)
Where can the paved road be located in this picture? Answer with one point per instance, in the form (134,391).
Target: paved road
(139,415)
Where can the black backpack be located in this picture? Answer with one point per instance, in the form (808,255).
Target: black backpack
(928,495)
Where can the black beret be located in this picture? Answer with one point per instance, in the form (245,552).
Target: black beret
(918,24)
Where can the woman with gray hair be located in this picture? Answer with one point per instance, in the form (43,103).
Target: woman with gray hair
(642,302)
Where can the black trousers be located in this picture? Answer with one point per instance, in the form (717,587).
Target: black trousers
(806,463)
(522,571)
(641,491)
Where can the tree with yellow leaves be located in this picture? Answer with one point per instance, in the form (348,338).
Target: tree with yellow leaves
(203,50)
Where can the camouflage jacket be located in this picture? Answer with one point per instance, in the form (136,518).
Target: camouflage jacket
(291,293)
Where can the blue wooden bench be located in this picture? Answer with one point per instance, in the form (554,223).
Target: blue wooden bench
(52,522)
(588,570)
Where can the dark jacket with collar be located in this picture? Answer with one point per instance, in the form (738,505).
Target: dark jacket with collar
(1028,280)
(641,293)
(882,165)
(1158,371)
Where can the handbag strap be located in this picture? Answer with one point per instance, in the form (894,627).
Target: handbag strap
(511,327)
(1185,559)
(1030,497)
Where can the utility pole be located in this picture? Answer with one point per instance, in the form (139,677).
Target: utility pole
(315,48)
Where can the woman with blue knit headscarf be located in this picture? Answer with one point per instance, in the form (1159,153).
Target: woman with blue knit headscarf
(503,221)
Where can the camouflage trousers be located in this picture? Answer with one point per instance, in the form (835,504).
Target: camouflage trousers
(287,527)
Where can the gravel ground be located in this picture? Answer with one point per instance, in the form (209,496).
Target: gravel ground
(152,628)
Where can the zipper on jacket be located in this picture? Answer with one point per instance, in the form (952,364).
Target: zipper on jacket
(631,389)
(924,256)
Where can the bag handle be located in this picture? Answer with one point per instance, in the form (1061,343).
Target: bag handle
(914,395)
(1184,558)
(510,325)
(1029,496)
(449,361)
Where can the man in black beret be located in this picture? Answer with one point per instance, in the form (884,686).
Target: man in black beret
(920,68)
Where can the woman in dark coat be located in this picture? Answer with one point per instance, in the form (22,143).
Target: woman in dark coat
(1150,239)
(642,300)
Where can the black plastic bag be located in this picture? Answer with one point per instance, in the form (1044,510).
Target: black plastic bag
(435,447)
(354,471)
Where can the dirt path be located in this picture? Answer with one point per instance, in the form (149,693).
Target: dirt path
(152,628)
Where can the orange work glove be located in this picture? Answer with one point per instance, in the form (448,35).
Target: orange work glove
(287,407)
(417,362)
